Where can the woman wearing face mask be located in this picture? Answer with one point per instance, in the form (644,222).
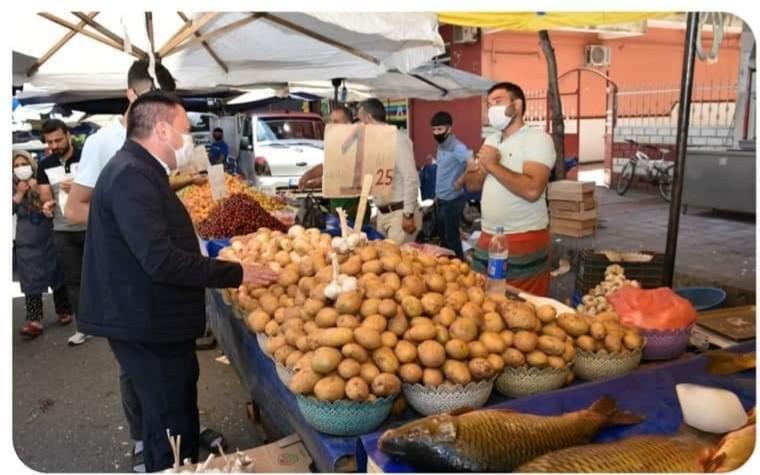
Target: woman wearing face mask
(38,266)
(517,160)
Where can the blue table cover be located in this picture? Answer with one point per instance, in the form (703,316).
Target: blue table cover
(648,391)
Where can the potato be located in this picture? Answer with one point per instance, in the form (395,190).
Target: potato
(432,303)
(355,351)
(420,321)
(476,295)
(348,303)
(633,341)
(422,332)
(312,306)
(481,368)
(277,290)
(610,317)
(492,342)
(348,321)
(525,341)
(554,330)
(404,269)
(598,331)
(556,362)
(385,360)
(551,345)
(369,372)
(518,316)
(310,327)
(410,373)
(376,322)
(585,343)
(574,325)
(489,306)
(349,368)
(442,335)
(386,384)
(401,294)
(330,388)
(613,343)
(427,260)
(357,389)
(257,320)
(335,337)
(302,343)
(386,308)
(496,361)
(456,300)
(326,317)
(318,293)
(432,377)
(388,339)
(292,359)
(457,350)
(272,328)
(412,306)
(513,357)
(369,307)
(569,354)
(463,329)
(352,266)
(279,315)
(292,335)
(365,279)
(374,266)
(303,381)
(405,351)
(546,313)
(457,372)
(473,312)
(508,336)
(325,360)
(537,359)
(415,284)
(398,324)
(367,337)
(288,277)
(293,313)
(282,353)
(492,322)
(390,262)
(435,283)
(431,354)
(324,275)
(447,316)
(476,349)
(391,280)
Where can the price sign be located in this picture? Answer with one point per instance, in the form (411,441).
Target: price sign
(216,180)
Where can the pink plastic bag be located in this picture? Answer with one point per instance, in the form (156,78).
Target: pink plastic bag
(652,309)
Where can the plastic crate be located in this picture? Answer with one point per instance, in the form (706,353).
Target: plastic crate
(592,265)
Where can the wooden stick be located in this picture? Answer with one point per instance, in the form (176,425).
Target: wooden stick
(171,45)
(206,46)
(366,186)
(108,33)
(81,30)
(54,49)
(213,34)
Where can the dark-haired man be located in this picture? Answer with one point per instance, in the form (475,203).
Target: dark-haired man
(518,160)
(54,179)
(451,160)
(217,154)
(144,276)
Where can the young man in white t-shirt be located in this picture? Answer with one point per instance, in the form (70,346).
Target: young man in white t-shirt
(518,161)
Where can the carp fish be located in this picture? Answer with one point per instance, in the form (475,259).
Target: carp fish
(496,440)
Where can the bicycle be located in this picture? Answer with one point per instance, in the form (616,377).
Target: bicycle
(658,172)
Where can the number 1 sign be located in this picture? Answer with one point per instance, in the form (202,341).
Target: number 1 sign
(355,150)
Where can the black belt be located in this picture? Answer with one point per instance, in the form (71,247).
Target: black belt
(389,208)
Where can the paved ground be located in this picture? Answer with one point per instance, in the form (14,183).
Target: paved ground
(67,413)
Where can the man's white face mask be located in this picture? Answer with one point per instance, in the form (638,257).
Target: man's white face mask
(498,117)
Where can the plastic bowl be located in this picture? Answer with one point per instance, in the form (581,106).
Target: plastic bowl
(665,344)
(344,417)
(703,298)
(524,381)
(429,400)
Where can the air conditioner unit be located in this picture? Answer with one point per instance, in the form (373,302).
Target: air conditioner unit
(598,55)
(466,34)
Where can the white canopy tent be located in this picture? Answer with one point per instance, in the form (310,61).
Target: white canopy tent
(430,81)
(221,49)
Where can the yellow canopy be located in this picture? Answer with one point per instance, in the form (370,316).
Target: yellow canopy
(535,21)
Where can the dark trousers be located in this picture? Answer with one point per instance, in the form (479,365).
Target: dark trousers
(34,304)
(130,402)
(69,245)
(165,377)
(449,218)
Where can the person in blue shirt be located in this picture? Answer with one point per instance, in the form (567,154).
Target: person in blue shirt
(219,149)
(451,157)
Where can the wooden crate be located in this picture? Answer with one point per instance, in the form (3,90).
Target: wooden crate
(568,190)
(574,215)
(587,204)
(572,228)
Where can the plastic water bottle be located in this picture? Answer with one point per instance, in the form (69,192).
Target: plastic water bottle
(498,255)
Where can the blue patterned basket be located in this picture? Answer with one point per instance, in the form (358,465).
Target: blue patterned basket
(344,417)
(666,344)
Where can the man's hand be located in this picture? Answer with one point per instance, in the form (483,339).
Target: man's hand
(200,179)
(66,185)
(258,276)
(408,225)
(48,208)
(488,157)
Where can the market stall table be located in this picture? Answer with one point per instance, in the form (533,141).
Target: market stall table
(649,392)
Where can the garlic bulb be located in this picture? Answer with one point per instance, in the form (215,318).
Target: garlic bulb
(332,290)
(340,245)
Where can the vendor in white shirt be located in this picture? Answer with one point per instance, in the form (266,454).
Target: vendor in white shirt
(518,160)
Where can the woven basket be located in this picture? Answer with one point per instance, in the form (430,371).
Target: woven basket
(284,374)
(344,417)
(447,397)
(603,365)
(522,381)
(665,344)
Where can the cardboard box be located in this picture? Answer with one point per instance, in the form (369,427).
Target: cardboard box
(287,455)
(587,204)
(569,190)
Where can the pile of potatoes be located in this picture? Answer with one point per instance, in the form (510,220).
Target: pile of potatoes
(595,302)
(602,333)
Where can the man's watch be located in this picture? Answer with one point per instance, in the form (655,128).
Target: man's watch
(408,215)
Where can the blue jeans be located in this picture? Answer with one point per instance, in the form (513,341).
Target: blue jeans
(449,217)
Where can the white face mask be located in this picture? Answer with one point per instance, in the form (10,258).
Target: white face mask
(23,172)
(498,117)
(183,156)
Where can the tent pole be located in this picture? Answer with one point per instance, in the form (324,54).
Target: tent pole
(682,138)
(54,49)
(212,34)
(107,33)
(444,91)
(205,45)
(174,42)
(81,30)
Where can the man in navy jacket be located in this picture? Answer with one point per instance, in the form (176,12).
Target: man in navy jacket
(144,277)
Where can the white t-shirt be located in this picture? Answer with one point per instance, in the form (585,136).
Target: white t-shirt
(98,150)
(501,207)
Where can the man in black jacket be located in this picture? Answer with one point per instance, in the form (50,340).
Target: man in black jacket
(143,275)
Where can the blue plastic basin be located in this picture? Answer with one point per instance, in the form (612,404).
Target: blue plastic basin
(703,298)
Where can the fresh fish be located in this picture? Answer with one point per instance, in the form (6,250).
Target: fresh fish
(494,440)
(733,451)
(638,454)
(726,362)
